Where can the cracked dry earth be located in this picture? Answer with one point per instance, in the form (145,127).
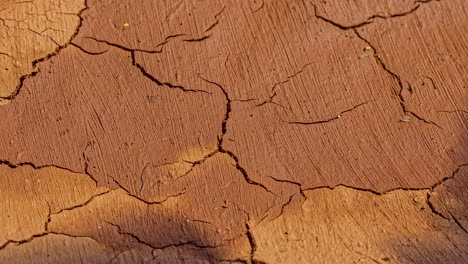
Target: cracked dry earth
(256,131)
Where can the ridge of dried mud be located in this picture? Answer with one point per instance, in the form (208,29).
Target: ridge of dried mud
(291,186)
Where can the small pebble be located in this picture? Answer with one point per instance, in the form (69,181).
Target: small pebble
(363,56)
(405,119)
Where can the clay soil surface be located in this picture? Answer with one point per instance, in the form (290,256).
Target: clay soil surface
(236,131)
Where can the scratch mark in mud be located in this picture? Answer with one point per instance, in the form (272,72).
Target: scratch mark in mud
(142,178)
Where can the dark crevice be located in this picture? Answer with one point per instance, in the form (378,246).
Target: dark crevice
(75,236)
(77,206)
(284,206)
(227,114)
(141,241)
(49,215)
(253,246)
(431,188)
(286,181)
(40,34)
(301,192)
(166,40)
(428,200)
(412,10)
(370,19)
(43,234)
(267,101)
(361,189)
(457,222)
(424,120)
(198,162)
(398,79)
(50,55)
(273,89)
(292,76)
(160,83)
(217,20)
(197,39)
(425,1)
(376,54)
(112,261)
(200,221)
(123,47)
(244,173)
(428,196)
(88,52)
(242,210)
(143,200)
(8,55)
(86,165)
(265,215)
(13,166)
(432,207)
(243,261)
(223,133)
(337,24)
(454,173)
(4,245)
(23,241)
(188,243)
(326,120)
(384,66)
(121,232)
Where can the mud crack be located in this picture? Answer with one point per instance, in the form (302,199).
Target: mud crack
(273,89)
(34,63)
(12,165)
(327,120)
(398,79)
(143,200)
(31,238)
(49,217)
(161,83)
(139,66)
(431,190)
(370,19)
(223,133)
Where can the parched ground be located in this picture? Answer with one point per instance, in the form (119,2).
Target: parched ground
(236,131)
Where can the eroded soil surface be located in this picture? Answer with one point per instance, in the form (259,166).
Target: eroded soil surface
(259,131)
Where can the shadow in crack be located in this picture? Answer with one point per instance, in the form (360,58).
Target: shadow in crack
(425,250)
(57,248)
(150,233)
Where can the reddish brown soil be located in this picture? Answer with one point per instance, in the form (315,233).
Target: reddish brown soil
(260,131)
